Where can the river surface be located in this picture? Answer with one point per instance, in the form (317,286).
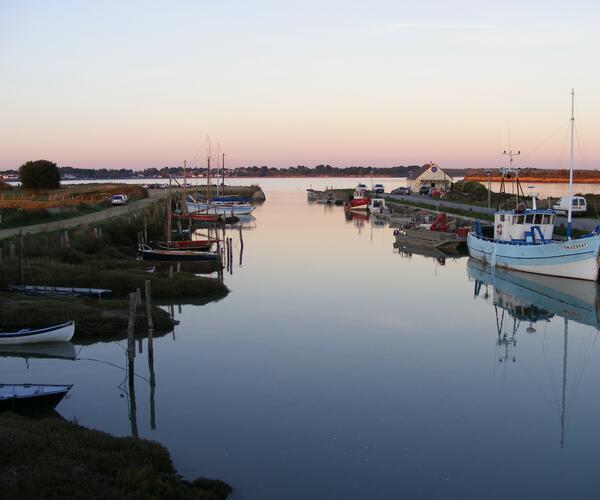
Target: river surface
(338,368)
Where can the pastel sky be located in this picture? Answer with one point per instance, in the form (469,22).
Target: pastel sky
(143,83)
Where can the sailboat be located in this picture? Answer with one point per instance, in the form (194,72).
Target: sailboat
(523,239)
(211,207)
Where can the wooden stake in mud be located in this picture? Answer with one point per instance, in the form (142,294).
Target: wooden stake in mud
(171,272)
(145,230)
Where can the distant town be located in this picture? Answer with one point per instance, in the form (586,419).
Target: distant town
(91,174)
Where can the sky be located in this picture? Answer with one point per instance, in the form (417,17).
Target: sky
(140,84)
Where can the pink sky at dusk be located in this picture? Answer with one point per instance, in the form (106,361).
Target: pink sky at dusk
(143,84)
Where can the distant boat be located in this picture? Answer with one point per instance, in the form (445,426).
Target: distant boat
(220,208)
(30,398)
(56,333)
(378,189)
(360,201)
(149,253)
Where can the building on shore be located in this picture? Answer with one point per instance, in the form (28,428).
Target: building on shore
(430,175)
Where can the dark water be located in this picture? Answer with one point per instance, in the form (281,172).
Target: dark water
(340,369)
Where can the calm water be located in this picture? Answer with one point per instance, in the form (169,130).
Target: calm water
(339,369)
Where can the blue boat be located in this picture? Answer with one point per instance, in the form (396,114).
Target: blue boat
(523,239)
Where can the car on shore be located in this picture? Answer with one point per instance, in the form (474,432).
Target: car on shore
(425,190)
(402,191)
(119,199)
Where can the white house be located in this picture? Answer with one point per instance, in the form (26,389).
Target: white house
(432,176)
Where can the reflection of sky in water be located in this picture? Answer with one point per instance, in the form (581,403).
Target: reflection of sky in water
(337,368)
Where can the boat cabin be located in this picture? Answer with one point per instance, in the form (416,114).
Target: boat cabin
(377,205)
(529,226)
(360,191)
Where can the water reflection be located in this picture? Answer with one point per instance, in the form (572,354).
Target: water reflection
(520,298)
(45,350)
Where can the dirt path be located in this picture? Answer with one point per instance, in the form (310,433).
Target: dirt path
(86,219)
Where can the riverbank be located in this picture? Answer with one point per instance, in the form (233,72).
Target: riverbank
(98,256)
(53,458)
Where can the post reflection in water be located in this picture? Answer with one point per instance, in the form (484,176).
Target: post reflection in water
(531,299)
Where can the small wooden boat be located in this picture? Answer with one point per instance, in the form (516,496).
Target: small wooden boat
(437,235)
(28,398)
(149,253)
(201,216)
(187,244)
(96,293)
(55,333)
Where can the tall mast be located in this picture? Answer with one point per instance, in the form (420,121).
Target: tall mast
(208,176)
(223,165)
(571,164)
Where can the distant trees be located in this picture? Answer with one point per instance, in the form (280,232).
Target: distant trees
(39,174)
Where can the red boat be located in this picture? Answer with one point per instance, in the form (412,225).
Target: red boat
(200,216)
(360,200)
(187,244)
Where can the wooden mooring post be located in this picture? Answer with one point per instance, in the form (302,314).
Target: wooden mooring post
(130,363)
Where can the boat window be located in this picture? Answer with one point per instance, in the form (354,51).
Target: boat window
(546,219)
(537,219)
(529,219)
(519,219)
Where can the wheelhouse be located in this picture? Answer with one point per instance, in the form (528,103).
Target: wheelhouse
(530,226)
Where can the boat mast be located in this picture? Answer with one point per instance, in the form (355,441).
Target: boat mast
(571,164)
(223,172)
(208,176)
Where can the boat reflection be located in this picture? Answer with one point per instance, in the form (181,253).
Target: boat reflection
(44,350)
(407,251)
(532,298)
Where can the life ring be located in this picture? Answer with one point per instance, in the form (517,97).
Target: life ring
(499,229)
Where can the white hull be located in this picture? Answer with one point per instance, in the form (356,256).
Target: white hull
(59,333)
(567,259)
(220,209)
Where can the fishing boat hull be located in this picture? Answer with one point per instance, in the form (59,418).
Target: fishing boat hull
(358,204)
(220,209)
(30,398)
(57,333)
(567,259)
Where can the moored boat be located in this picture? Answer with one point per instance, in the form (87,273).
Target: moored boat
(439,234)
(199,244)
(30,398)
(523,239)
(55,333)
(360,201)
(220,208)
(149,253)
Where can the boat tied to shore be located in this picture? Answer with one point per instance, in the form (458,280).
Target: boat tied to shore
(360,200)
(439,234)
(523,239)
(149,253)
(31,398)
(55,333)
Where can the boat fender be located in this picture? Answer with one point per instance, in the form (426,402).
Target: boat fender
(396,232)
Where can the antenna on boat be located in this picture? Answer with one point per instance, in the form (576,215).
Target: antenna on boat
(570,213)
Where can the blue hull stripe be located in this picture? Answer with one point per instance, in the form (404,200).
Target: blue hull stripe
(29,333)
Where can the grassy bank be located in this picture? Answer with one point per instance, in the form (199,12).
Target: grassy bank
(52,458)
(98,256)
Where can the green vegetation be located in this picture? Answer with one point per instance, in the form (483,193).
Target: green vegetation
(39,174)
(18,217)
(457,211)
(99,256)
(51,458)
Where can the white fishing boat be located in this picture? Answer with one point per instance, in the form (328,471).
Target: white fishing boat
(56,333)
(523,240)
